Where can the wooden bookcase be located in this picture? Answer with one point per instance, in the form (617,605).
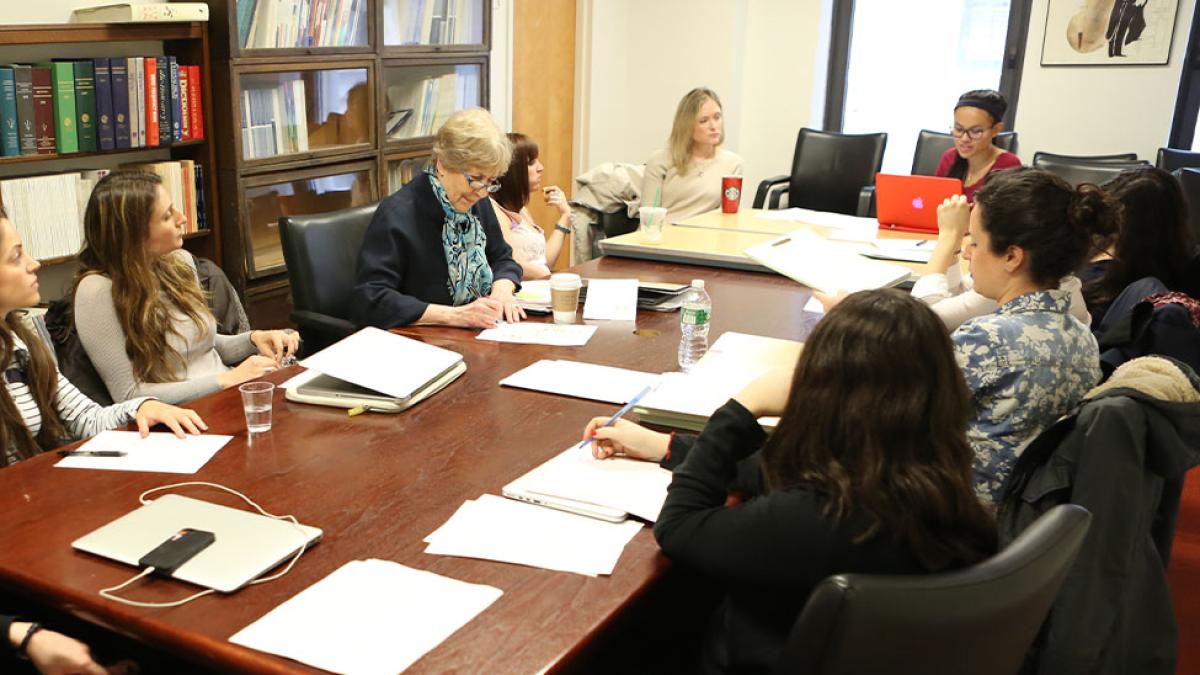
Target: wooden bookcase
(188,42)
(353,95)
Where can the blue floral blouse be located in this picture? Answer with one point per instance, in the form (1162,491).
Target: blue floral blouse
(1026,364)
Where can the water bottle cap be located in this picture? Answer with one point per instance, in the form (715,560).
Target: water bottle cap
(697,283)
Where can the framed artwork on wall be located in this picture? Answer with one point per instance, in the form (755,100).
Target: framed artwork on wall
(1108,32)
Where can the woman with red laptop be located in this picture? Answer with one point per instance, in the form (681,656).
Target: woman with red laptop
(977,120)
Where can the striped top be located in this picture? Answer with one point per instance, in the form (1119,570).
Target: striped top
(81,416)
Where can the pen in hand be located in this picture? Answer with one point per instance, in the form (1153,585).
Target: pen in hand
(91,453)
(619,414)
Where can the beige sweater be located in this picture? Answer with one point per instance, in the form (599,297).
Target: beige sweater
(696,192)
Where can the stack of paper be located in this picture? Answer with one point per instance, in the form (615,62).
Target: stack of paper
(581,380)
(687,400)
(628,485)
(611,299)
(159,452)
(827,267)
(534,296)
(528,333)
(368,616)
(494,528)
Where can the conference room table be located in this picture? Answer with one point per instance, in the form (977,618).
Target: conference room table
(718,239)
(377,484)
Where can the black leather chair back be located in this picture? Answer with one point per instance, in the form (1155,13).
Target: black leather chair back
(1189,180)
(1170,159)
(980,620)
(931,145)
(1076,170)
(321,252)
(1039,157)
(830,169)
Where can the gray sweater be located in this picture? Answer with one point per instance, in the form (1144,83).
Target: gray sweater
(205,355)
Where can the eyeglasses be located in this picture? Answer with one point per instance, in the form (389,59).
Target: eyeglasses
(477,183)
(973,133)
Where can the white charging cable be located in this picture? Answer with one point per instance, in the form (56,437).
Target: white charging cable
(108,592)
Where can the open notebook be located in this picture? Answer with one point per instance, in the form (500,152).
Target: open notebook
(827,267)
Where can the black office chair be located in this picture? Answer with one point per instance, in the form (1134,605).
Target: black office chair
(981,620)
(1189,180)
(829,170)
(931,145)
(321,252)
(1097,169)
(1170,159)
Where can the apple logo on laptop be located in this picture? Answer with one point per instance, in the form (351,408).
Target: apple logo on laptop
(918,203)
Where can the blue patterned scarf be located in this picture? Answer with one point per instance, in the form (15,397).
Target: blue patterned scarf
(465,246)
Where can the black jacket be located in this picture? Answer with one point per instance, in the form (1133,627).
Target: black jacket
(1123,456)
(402,267)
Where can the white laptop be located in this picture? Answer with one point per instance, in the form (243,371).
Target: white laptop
(515,490)
(247,544)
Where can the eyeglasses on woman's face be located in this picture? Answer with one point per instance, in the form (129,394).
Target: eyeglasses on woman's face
(477,183)
(974,133)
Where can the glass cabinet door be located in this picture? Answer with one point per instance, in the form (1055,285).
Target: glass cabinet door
(432,22)
(292,24)
(285,113)
(418,99)
(400,170)
(265,204)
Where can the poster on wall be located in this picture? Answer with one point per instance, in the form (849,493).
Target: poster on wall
(1108,32)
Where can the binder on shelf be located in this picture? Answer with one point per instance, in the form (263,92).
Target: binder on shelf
(10,135)
(26,121)
(43,110)
(105,134)
(85,105)
(119,77)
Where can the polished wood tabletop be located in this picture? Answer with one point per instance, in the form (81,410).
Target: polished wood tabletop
(377,484)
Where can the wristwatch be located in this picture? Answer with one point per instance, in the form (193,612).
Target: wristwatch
(560,228)
(23,648)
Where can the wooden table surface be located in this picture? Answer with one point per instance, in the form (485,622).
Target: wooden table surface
(377,484)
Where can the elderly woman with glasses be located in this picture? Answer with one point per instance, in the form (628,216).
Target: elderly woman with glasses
(434,252)
(977,118)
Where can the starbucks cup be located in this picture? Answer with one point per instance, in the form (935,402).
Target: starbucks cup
(731,193)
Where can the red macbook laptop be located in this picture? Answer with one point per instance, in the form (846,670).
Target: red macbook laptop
(909,203)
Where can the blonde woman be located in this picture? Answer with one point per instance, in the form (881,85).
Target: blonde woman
(138,306)
(434,253)
(531,247)
(688,172)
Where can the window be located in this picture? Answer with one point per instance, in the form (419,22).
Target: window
(900,69)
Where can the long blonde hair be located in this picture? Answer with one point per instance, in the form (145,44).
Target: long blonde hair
(147,289)
(682,130)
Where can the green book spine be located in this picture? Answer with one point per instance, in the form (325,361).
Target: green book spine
(10,135)
(62,86)
(85,105)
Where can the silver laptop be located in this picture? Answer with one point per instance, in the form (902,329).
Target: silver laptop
(247,544)
(515,490)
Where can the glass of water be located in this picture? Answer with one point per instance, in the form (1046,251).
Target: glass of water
(256,403)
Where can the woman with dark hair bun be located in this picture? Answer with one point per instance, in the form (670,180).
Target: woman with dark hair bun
(868,471)
(1030,361)
(1154,240)
(978,118)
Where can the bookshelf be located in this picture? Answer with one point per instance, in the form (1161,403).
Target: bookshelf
(339,113)
(187,42)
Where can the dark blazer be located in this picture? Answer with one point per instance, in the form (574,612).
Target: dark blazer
(402,266)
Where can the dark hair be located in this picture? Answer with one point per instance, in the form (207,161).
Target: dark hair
(1053,222)
(514,184)
(1153,240)
(884,437)
(991,102)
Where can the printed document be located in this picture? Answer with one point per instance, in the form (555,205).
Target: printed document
(160,452)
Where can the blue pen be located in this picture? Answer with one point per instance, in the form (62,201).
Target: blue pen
(624,409)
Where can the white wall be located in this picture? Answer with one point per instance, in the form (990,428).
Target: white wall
(635,60)
(1093,110)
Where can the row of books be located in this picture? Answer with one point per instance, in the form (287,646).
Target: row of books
(51,226)
(93,105)
(274,119)
(418,108)
(267,24)
(402,171)
(436,22)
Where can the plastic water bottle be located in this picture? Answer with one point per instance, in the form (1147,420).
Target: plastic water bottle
(694,318)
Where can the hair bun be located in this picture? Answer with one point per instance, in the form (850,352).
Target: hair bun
(1092,210)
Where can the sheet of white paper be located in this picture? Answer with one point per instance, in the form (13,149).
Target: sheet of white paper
(820,218)
(300,380)
(535,293)
(581,380)
(383,361)
(159,452)
(825,266)
(906,250)
(699,392)
(629,485)
(532,333)
(368,617)
(611,299)
(734,351)
(505,530)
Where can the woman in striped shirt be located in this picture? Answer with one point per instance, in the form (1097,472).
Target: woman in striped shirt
(40,408)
